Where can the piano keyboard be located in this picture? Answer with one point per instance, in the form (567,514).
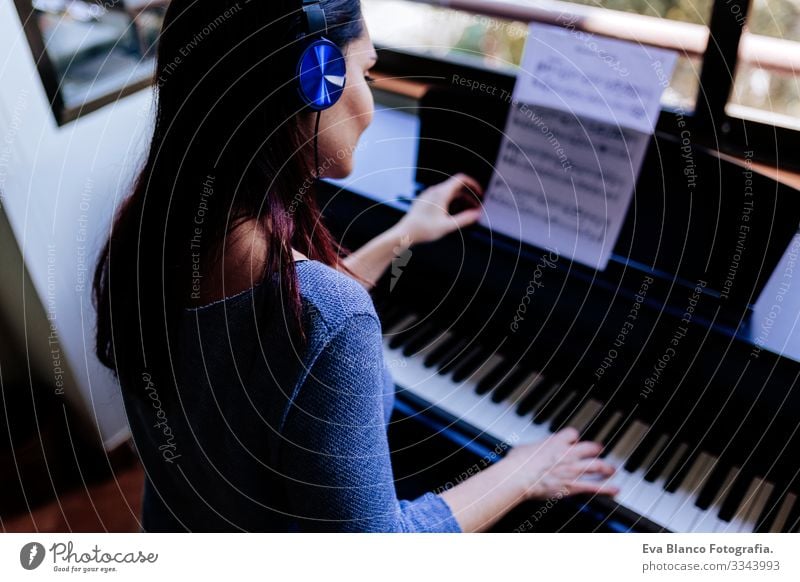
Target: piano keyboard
(668,482)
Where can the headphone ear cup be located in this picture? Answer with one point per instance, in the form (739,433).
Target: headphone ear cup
(321,74)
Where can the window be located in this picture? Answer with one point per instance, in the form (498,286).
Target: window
(766,86)
(498,42)
(757,109)
(90,53)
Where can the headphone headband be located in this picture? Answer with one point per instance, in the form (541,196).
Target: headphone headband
(314,20)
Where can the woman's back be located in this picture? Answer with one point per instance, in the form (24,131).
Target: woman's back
(217,459)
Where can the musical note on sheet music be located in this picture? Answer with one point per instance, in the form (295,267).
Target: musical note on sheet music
(581,115)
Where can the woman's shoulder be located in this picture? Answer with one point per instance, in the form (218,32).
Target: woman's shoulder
(332,296)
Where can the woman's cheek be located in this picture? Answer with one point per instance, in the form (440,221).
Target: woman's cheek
(369,106)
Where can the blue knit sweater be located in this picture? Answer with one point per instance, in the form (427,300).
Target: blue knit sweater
(264,438)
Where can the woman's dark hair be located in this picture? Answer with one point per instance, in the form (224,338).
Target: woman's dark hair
(227,147)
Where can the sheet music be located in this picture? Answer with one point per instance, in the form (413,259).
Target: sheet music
(581,115)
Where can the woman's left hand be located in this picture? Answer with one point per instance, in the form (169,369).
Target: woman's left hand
(429,217)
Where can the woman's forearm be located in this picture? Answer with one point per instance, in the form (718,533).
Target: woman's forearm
(480,501)
(371,260)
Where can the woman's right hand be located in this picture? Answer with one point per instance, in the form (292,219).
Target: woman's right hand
(560,465)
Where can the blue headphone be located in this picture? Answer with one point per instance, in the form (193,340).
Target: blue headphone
(321,68)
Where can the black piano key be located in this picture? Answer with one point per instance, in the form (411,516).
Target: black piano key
(642,450)
(392,316)
(681,469)
(404,335)
(712,485)
(533,398)
(571,407)
(504,389)
(421,340)
(616,433)
(493,378)
(770,511)
(735,495)
(662,459)
(470,364)
(594,426)
(440,352)
(454,357)
(550,404)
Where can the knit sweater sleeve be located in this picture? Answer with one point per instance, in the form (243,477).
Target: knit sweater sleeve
(335,451)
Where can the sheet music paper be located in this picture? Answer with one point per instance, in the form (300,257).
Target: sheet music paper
(582,112)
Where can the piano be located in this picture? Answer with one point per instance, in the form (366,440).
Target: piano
(673,359)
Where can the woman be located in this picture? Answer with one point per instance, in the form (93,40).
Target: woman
(248,352)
